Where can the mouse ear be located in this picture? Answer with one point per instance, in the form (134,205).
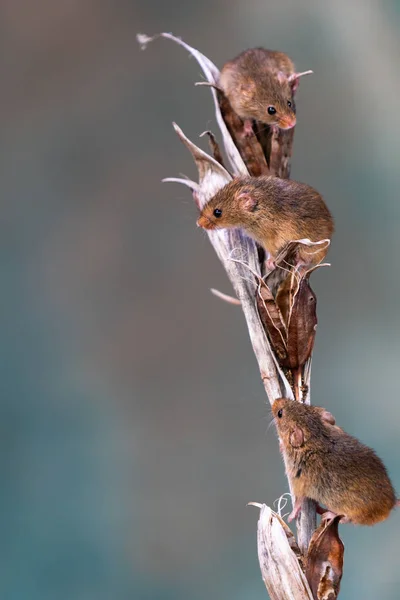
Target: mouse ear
(328,417)
(247,201)
(296,437)
(248,86)
(293,79)
(282,78)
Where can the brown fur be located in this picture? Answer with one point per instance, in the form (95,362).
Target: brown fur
(332,467)
(252,84)
(283,211)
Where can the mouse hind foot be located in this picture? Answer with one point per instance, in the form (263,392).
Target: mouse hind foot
(296,509)
(329,515)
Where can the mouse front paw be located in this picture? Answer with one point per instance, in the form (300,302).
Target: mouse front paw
(248,128)
(270,264)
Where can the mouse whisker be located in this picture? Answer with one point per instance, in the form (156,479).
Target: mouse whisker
(272,422)
(263,129)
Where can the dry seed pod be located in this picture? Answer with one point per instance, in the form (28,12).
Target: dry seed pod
(272,321)
(293,341)
(324,567)
(302,326)
(285,295)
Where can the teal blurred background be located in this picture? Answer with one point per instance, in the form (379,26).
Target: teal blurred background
(133,420)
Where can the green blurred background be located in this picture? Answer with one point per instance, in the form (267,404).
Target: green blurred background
(133,420)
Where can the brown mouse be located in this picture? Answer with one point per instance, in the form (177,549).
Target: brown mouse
(330,466)
(274,212)
(260,84)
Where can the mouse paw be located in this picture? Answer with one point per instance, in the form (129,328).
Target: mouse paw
(296,510)
(270,264)
(275,131)
(345,519)
(328,515)
(248,128)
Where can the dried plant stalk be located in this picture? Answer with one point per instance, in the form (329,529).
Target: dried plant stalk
(239,256)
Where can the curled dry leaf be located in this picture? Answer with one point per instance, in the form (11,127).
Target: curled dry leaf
(281,152)
(290,322)
(287,309)
(278,555)
(272,321)
(214,147)
(302,326)
(285,295)
(264,136)
(324,567)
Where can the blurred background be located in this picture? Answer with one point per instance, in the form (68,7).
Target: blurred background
(133,419)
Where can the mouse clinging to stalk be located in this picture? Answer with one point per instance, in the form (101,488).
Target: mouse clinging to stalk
(328,465)
(274,212)
(260,85)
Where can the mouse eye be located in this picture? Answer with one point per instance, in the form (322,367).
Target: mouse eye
(280,413)
(217,213)
(271,110)
(289,104)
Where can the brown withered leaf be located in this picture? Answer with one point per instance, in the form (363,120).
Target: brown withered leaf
(324,567)
(285,295)
(248,146)
(214,146)
(284,264)
(302,326)
(272,321)
(281,152)
(264,135)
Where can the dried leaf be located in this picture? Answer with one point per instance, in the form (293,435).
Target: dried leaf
(214,147)
(281,152)
(272,321)
(264,135)
(212,175)
(324,567)
(285,295)
(280,568)
(302,326)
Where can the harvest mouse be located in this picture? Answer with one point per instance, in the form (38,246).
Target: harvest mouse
(260,84)
(330,466)
(274,212)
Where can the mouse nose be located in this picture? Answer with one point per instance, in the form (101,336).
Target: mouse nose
(204,223)
(287,122)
